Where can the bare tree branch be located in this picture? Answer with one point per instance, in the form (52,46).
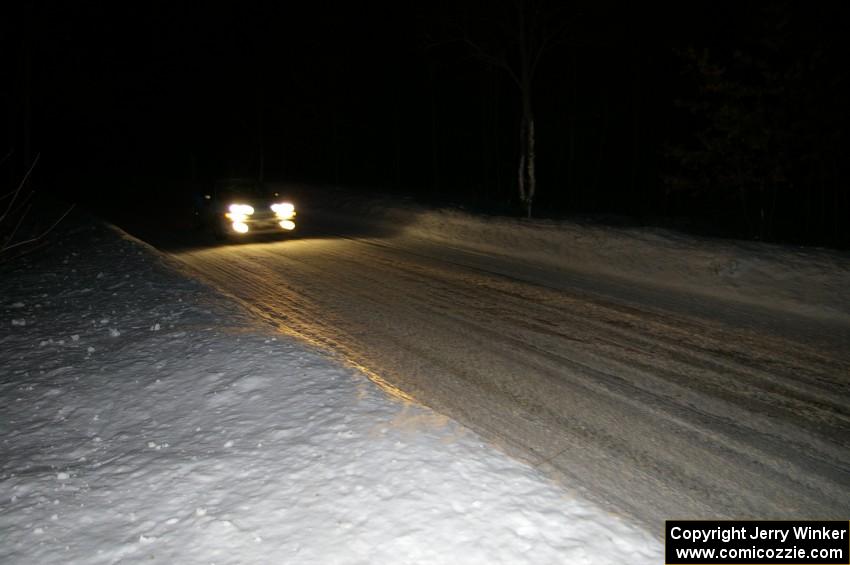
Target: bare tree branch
(20,186)
(39,236)
(11,236)
(493,60)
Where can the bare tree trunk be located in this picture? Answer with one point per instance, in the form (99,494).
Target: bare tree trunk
(836,237)
(571,155)
(824,231)
(335,141)
(435,146)
(532,171)
(523,138)
(636,106)
(397,141)
(527,173)
(808,192)
(496,165)
(533,37)
(261,146)
(485,140)
(745,204)
(602,139)
(261,167)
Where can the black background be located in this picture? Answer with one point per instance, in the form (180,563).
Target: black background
(138,101)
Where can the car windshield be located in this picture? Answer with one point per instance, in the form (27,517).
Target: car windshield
(244,190)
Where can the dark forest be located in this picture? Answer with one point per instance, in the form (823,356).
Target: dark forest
(727,119)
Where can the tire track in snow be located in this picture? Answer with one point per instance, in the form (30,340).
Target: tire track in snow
(631,348)
(659,416)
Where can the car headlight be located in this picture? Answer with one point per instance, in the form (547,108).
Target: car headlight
(284,210)
(239,212)
(241,209)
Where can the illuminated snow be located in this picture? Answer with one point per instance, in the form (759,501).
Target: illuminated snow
(195,435)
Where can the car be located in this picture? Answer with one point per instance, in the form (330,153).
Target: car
(237,208)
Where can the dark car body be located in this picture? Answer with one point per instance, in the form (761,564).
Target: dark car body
(239,209)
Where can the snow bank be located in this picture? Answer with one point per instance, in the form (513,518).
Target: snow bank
(808,281)
(148,420)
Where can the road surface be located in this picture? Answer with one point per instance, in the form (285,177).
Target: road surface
(657,406)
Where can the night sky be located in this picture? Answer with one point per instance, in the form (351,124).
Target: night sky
(129,101)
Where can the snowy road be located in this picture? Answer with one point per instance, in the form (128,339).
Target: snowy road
(147,419)
(650,410)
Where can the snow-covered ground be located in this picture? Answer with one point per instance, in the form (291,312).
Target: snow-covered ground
(147,419)
(807,281)
(653,397)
